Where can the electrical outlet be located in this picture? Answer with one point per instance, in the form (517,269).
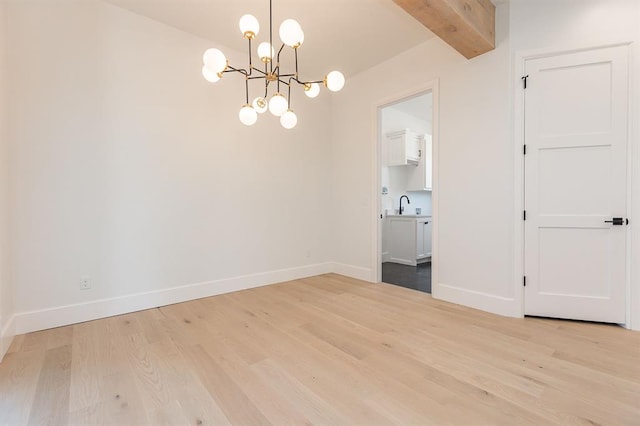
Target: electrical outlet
(308,253)
(85,283)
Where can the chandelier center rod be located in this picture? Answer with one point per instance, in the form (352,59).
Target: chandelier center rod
(271,28)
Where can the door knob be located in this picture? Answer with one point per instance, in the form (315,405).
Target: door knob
(616,221)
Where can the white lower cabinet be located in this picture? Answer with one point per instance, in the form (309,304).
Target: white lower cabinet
(402,247)
(423,238)
(409,239)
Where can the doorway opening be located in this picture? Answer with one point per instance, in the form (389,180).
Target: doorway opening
(405,135)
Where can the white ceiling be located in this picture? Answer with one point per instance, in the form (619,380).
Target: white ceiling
(347,35)
(420,106)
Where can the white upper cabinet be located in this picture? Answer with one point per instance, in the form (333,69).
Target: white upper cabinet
(402,148)
(421,178)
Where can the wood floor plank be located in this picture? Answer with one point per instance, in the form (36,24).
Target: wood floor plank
(51,402)
(16,344)
(149,378)
(88,415)
(122,403)
(196,404)
(19,373)
(61,336)
(223,389)
(314,407)
(322,350)
(86,382)
(267,400)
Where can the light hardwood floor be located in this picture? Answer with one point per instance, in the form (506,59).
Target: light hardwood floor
(323,350)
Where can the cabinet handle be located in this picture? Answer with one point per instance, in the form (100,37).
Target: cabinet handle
(419,153)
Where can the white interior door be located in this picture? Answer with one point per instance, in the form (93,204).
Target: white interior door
(576,112)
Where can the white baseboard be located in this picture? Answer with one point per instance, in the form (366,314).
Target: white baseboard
(364,274)
(26,322)
(474,299)
(7,333)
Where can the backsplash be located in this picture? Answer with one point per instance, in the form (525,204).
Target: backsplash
(419,199)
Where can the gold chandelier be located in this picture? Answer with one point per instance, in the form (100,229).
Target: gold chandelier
(291,35)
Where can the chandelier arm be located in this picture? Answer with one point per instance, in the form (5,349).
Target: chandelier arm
(297,72)
(278,56)
(260,71)
(240,70)
(246,89)
(304,83)
(250,64)
(289,96)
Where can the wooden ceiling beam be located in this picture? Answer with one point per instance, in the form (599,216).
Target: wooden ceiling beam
(466,25)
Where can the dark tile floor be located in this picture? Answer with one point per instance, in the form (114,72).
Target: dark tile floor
(415,277)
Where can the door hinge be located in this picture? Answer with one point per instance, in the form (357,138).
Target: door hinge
(524,149)
(524,80)
(524,215)
(524,281)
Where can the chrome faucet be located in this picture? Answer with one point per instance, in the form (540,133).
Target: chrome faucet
(408,202)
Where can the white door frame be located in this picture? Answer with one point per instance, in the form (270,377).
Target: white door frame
(376,252)
(518,160)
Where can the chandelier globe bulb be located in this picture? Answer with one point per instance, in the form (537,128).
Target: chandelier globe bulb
(215,60)
(260,104)
(266,52)
(300,41)
(278,104)
(312,89)
(334,81)
(291,33)
(289,119)
(247,115)
(249,26)
(209,75)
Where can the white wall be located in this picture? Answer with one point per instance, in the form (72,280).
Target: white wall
(131,169)
(475,192)
(474,202)
(6,294)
